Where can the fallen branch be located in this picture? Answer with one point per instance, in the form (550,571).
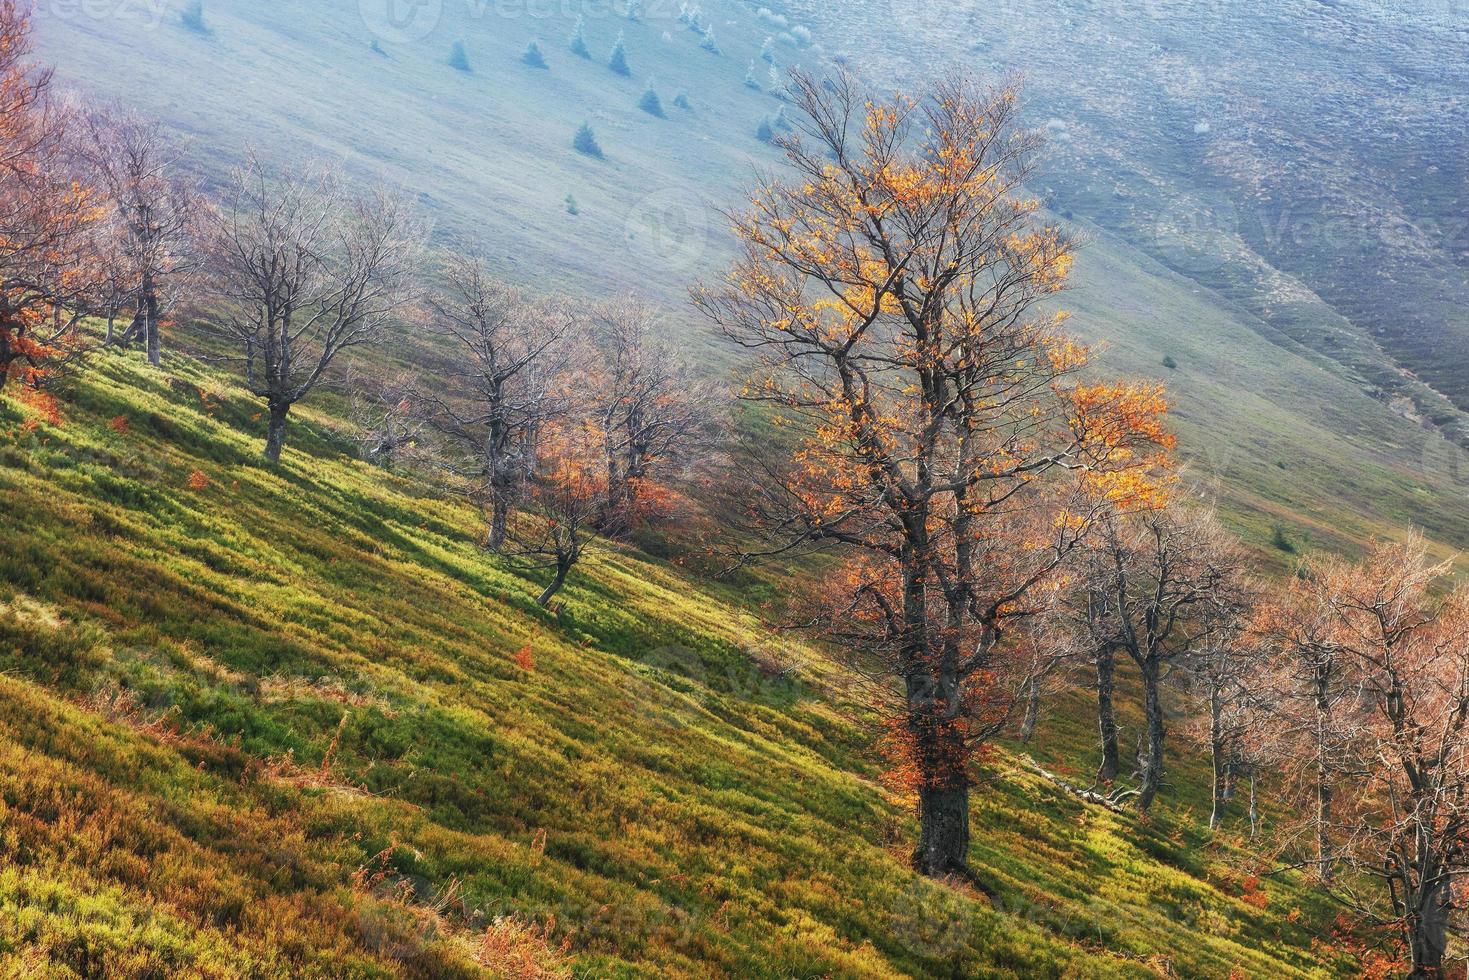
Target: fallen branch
(1112,802)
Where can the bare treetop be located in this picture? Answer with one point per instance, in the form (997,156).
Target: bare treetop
(303,269)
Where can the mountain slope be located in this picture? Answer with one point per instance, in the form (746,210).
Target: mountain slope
(295,722)
(1296,411)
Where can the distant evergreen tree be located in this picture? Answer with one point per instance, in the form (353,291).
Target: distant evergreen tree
(777,82)
(1169,362)
(750,81)
(533,56)
(193,17)
(767,50)
(682,101)
(684,13)
(571,205)
(617,61)
(377,48)
(459,57)
(764,133)
(585,142)
(709,44)
(650,103)
(781,121)
(578,42)
(634,10)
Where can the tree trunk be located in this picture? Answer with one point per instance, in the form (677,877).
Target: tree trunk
(150,323)
(1220,758)
(1429,935)
(1106,714)
(275,437)
(1323,779)
(1032,710)
(562,568)
(1254,812)
(1152,769)
(499,521)
(943,831)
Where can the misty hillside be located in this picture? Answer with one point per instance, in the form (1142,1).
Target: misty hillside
(1265,357)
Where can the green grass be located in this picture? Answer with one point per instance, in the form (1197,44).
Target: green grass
(220,704)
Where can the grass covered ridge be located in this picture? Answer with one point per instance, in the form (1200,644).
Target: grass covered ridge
(295,722)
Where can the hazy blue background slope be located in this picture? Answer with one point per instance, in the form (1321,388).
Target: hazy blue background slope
(1250,176)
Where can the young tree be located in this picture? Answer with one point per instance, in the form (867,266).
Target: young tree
(137,170)
(1170,582)
(617,61)
(304,270)
(51,260)
(767,52)
(708,43)
(193,17)
(568,493)
(533,55)
(750,80)
(892,289)
(502,386)
(650,103)
(682,101)
(651,412)
(585,142)
(459,57)
(578,41)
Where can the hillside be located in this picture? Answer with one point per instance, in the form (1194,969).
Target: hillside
(295,722)
(1291,407)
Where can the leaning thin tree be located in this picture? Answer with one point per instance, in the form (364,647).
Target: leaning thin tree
(893,288)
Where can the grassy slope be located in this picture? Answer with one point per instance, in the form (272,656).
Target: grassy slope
(219,703)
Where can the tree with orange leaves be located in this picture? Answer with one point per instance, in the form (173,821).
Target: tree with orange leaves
(893,289)
(48,216)
(568,487)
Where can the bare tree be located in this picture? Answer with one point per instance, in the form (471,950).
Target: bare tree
(1311,688)
(1089,631)
(654,414)
(304,270)
(155,216)
(1228,669)
(1167,578)
(506,382)
(389,425)
(1403,821)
